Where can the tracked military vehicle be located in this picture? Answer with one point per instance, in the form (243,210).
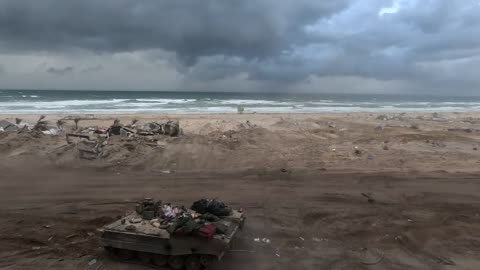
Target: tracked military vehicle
(161,234)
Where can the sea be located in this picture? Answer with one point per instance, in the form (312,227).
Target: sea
(111,102)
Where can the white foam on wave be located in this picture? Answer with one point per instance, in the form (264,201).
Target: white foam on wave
(137,104)
(251,102)
(32,96)
(165,100)
(329,104)
(176,105)
(62,103)
(223,109)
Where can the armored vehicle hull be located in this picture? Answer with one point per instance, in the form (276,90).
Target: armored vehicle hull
(149,242)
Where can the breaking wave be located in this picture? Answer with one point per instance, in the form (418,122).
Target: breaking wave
(17,102)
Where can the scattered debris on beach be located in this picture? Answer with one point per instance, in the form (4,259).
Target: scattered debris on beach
(91,141)
(6,126)
(40,127)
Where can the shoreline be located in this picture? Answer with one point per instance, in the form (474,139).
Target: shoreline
(425,111)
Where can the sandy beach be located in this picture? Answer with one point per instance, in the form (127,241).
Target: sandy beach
(299,177)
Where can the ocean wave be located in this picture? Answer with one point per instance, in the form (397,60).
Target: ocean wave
(12,104)
(63,103)
(165,100)
(251,102)
(224,109)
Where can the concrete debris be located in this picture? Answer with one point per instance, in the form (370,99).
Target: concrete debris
(51,131)
(247,125)
(91,141)
(262,240)
(147,131)
(7,126)
(170,128)
(40,127)
(398,117)
(382,117)
(89,149)
(92,262)
(80,136)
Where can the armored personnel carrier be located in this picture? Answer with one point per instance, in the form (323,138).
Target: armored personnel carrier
(161,234)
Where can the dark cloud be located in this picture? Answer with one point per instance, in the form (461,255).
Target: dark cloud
(92,69)
(288,41)
(61,71)
(191,28)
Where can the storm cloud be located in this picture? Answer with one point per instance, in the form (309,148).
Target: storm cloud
(60,71)
(428,45)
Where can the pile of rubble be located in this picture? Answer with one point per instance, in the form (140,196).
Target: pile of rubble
(91,141)
(169,128)
(40,127)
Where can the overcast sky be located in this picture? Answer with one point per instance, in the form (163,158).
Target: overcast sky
(359,46)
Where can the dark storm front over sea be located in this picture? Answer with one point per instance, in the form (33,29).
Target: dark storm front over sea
(43,101)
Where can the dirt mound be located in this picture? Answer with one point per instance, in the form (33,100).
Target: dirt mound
(118,151)
(13,144)
(188,152)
